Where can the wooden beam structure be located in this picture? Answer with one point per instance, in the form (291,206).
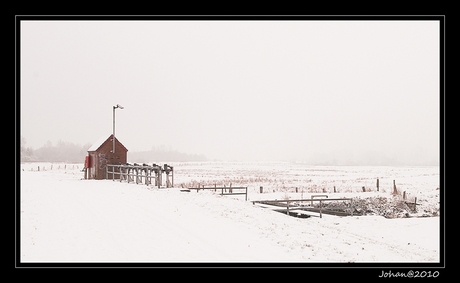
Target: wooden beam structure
(141,173)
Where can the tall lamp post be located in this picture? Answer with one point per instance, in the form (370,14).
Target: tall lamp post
(114,107)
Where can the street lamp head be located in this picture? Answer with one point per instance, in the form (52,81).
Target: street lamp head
(118,106)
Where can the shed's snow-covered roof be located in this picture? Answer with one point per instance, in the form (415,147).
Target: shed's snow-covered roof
(102,140)
(98,143)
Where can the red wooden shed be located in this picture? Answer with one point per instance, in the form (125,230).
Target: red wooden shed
(100,154)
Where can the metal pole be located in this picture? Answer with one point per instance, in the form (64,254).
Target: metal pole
(113,139)
(114,107)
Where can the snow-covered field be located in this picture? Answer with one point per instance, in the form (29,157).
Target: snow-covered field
(64,218)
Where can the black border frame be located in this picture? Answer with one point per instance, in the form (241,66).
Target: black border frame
(371,269)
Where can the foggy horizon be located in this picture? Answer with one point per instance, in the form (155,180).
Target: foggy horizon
(307,91)
(169,154)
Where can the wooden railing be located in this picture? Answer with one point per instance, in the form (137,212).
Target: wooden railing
(141,173)
(312,199)
(226,190)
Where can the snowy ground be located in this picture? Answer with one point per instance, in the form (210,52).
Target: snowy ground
(66,219)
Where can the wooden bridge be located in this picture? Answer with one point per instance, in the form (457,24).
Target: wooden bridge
(289,205)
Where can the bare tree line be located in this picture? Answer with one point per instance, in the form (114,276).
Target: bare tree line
(60,152)
(69,152)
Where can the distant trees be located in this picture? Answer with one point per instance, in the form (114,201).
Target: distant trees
(61,152)
(70,152)
(27,153)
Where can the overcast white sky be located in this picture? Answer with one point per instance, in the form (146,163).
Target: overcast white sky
(237,90)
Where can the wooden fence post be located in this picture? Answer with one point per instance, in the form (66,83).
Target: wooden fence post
(320,209)
(377,184)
